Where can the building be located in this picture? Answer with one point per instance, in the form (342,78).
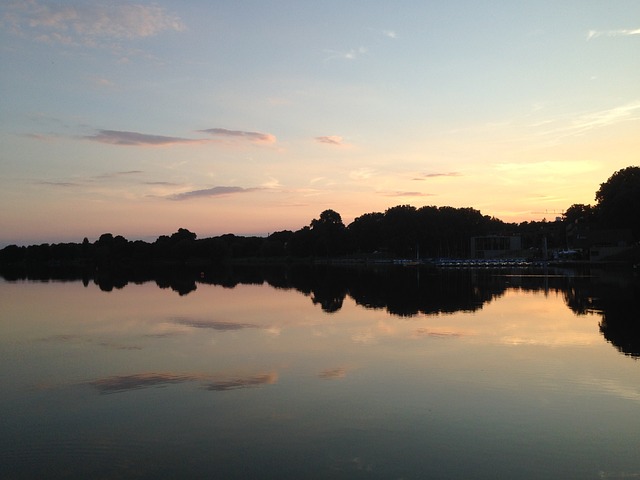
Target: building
(494,246)
(599,243)
(607,243)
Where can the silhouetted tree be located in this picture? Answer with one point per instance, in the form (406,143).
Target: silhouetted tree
(183,234)
(328,233)
(579,213)
(301,243)
(366,232)
(619,200)
(401,230)
(276,244)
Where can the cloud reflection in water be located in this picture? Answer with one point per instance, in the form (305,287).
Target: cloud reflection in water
(214,325)
(330,373)
(123,383)
(243,382)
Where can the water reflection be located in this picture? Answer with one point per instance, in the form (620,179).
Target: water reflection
(320,373)
(620,324)
(123,383)
(403,292)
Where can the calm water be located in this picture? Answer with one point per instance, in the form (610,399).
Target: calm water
(394,374)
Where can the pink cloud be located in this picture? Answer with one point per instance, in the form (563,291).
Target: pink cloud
(85,23)
(211,192)
(439,174)
(258,137)
(330,140)
(407,194)
(117,137)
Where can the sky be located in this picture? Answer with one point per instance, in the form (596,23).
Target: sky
(249,117)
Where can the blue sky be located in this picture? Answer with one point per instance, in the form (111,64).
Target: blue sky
(250,117)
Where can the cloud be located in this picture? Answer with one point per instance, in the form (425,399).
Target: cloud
(362,174)
(59,184)
(612,33)
(582,123)
(251,136)
(40,137)
(271,183)
(348,55)
(85,181)
(407,194)
(222,326)
(137,139)
(101,82)
(162,184)
(211,192)
(87,24)
(550,171)
(439,174)
(390,34)
(607,117)
(118,174)
(118,137)
(330,140)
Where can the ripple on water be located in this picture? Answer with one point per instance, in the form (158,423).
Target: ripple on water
(79,457)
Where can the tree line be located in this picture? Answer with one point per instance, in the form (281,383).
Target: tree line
(403,231)
(398,232)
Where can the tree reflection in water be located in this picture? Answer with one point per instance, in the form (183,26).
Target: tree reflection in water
(620,324)
(402,291)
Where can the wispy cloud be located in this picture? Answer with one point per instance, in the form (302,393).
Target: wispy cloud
(211,192)
(612,33)
(331,140)
(271,183)
(582,123)
(438,174)
(241,134)
(101,82)
(552,171)
(390,34)
(362,174)
(84,181)
(87,24)
(118,137)
(162,184)
(118,174)
(60,184)
(407,194)
(137,139)
(348,55)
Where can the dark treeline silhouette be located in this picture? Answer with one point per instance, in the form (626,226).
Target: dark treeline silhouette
(402,231)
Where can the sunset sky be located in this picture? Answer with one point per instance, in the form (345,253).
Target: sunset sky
(255,116)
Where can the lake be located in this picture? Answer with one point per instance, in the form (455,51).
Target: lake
(390,373)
